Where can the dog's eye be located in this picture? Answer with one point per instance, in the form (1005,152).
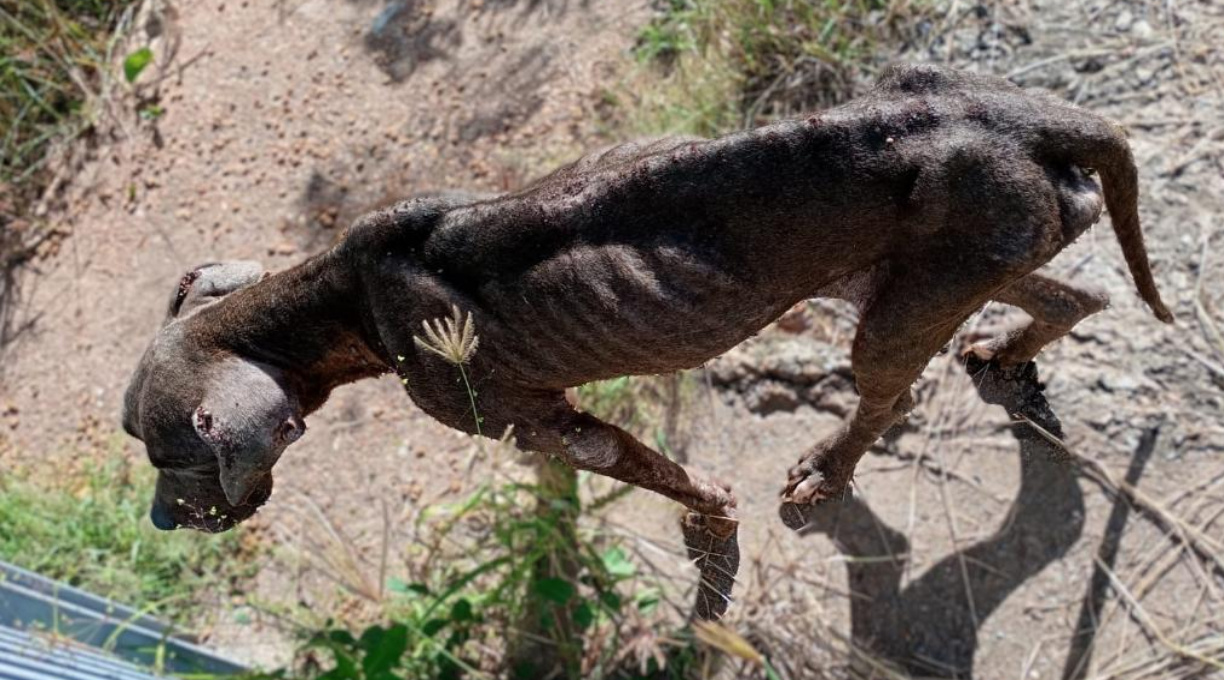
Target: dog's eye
(289,431)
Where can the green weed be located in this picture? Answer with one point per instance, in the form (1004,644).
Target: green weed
(509,584)
(728,64)
(650,407)
(53,57)
(92,530)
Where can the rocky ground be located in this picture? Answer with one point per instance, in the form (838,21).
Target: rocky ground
(285,120)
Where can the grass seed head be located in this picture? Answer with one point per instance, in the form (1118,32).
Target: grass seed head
(453,339)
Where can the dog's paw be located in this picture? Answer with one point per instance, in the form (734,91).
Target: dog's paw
(808,490)
(1012,387)
(979,354)
(716,498)
(805,489)
(807,483)
(980,359)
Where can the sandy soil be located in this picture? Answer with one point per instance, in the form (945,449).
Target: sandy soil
(285,120)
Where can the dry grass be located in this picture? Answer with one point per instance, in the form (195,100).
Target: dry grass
(712,66)
(1194,649)
(54,69)
(796,619)
(727,65)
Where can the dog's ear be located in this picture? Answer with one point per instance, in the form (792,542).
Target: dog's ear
(131,400)
(211,282)
(247,418)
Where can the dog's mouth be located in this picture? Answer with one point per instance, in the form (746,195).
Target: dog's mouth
(206,516)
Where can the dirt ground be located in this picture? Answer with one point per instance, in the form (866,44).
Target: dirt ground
(285,120)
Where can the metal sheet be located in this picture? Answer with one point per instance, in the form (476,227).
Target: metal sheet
(26,656)
(83,625)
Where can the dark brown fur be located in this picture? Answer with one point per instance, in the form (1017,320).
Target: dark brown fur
(920,202)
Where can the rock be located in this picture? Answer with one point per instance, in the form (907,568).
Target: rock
(779,372)
(769,396)
(1122,381)
(1118,383)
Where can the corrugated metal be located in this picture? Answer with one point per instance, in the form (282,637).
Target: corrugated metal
(42,657)
(37,605)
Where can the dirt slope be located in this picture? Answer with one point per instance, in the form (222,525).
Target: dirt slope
(282,122)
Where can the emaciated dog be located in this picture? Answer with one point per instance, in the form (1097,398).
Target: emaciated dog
(921,201)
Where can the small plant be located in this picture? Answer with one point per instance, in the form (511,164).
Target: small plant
(135,64)
(730,64)
(91,529)
(55,57)
(507,584)
(150,112)
(454,340)
(665,39)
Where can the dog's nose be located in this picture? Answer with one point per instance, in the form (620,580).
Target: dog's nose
(161,517)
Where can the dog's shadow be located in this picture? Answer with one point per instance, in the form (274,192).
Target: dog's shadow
(929,627)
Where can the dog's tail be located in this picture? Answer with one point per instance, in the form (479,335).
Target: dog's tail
(1094,142)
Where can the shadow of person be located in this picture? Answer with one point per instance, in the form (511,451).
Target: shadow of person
(929,627)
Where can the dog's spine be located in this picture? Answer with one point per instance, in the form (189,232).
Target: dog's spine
(401,227)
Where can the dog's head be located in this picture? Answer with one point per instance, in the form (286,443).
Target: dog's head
(214,423)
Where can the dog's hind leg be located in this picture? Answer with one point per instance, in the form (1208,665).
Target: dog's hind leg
(928,293)
(587,443)
(1055,307)
(910,320)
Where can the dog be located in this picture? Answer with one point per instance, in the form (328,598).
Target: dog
(921,201)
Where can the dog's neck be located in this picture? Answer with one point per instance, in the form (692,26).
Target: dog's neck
(305,321)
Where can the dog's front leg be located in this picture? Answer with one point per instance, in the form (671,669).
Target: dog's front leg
(710,530)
